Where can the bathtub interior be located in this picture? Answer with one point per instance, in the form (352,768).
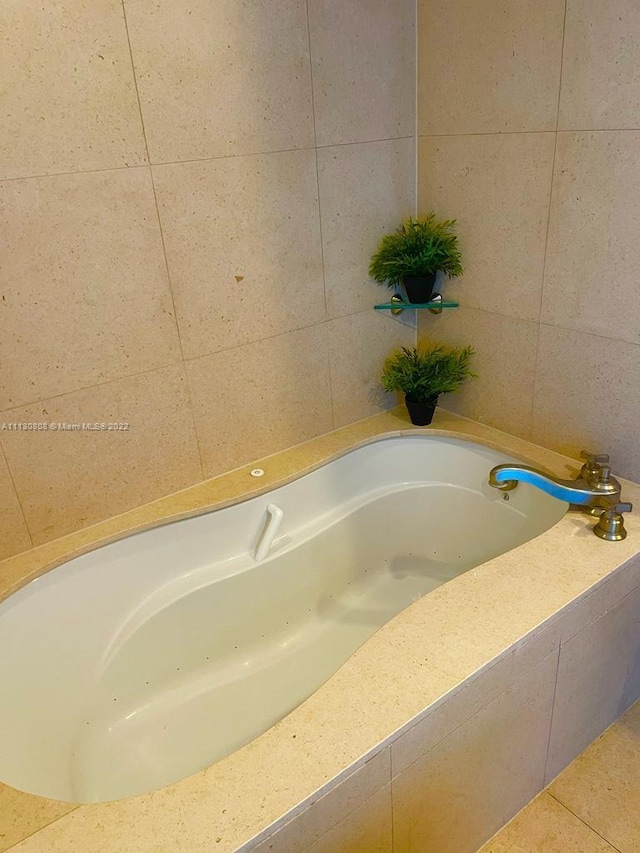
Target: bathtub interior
(148,659)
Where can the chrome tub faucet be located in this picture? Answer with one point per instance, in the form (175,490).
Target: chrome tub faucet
(594,489)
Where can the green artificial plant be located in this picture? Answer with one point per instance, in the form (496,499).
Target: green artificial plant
(422,374)
(418,247)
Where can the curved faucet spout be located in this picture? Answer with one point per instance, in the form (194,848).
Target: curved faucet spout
(580,492)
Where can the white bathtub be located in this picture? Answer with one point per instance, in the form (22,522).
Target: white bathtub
(139,663)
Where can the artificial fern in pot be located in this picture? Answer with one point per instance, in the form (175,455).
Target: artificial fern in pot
(413,255)
(422,374)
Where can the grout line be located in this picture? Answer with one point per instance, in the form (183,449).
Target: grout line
(203,474)
(553,167)
(598,129)
(566,329)
(488,133)
(310,148)
(41,400)
(416,126)
(515,318)
(166,264)
(553,706)
(199,159)
(322,244)
(74,172)
(162,241)
(416,143)
(564,30)
(532,132)
(364,142)
(257,340)
(315,148)
(544,270)
(279,150)
(45,825)
(330,373)
(135,80)
(333,407)
(582,821)
(392,798)
(17,494)
(177,325)
(216,157)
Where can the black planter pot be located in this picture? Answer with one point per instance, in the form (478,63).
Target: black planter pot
(419,288)
(421,414)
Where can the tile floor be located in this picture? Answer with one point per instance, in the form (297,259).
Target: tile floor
(591,807)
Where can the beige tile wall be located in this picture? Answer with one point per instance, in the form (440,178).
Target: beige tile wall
(189,198)
(589,698)
(529,135)
(470,783)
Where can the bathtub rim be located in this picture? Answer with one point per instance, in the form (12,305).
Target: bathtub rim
(200,498)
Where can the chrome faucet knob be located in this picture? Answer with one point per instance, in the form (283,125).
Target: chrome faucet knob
(594,458)
(611,523)
(592,464)
(602,481)
(622,506)
(604,474)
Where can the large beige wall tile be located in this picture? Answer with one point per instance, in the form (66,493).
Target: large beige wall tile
(498,189)
(368,830)
(363,60)
(587,396)
(473,695)
(366,191)
(545,826)
(344,810)
(14,536)
(593,252)
(69,479)
(255,218)
(488,67)
(85,294)
(502,393)
(464,789)
(221,78)
(602,786)
(358,347)
(604,597)
(600,65)
(68,94)
(260,398)
(23,814)
(598,679)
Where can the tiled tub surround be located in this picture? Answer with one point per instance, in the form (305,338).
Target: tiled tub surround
(189,198)
(532,114)
(591,807)
(457,712)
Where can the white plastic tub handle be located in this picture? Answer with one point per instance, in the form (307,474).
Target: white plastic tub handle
(274,520)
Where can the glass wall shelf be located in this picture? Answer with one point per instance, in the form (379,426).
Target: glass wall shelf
(397,305)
